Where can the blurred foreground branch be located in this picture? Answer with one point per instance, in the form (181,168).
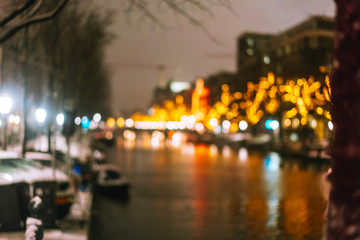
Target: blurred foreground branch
(26,14)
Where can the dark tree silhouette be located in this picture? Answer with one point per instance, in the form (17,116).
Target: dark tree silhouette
(343,217)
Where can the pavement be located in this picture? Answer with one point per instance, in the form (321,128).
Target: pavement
(73,227)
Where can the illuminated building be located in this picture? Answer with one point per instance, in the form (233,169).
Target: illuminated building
(249,56)
(200,100)
(169,91)
(215,81)
(303,50)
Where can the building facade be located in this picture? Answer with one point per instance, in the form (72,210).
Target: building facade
(299,52)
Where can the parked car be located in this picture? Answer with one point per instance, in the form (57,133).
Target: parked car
(108,178)
(15,169)
(46,160)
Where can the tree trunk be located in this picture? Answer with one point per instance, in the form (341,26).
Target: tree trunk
(26,107)
(343,217)
(50,109)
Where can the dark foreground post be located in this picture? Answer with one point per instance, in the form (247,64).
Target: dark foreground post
(34,226)
(343,218)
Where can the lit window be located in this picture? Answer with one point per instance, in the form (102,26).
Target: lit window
(266,59)
(250,52)
(288,49)
(250,42)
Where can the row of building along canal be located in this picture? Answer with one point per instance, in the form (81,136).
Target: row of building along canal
(197,191)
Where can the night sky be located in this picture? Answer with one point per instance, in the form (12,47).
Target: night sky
(185,50)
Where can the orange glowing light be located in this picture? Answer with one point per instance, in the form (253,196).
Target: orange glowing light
(179,99)
(171,134)
(120,122)
(110,122)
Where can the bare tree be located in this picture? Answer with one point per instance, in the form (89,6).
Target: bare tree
(73,47)
(67,60)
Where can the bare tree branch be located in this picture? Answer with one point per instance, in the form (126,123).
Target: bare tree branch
(200,6)
(36,8)
(179,8)
(11,30)
(131,5)
(182,12)
(16,12)
(227,4)
(141,5)
(190,18)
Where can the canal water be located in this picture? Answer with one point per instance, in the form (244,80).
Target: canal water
(185,191)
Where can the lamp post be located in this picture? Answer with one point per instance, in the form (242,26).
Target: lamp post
(40,117)
(5,108)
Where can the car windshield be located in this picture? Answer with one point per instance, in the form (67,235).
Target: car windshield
(13,164)
(111,175)
(44,163)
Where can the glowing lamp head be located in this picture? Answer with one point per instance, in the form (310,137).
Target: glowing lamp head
(243,125)
(5,104)
(272,124)
(97,117)
(226,124)
(40,115)
(60,119)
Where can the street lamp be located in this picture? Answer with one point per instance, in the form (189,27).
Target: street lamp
(5,104)
(60,119)
(40,115)
(5,108)
(243,125)
(97,117)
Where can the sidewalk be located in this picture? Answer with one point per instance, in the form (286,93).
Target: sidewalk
(73,227)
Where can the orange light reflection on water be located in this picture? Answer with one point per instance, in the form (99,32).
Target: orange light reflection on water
(201,188)
(271,194)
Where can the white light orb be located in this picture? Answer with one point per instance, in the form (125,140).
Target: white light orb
(60,119)
(243,125)
(40,115)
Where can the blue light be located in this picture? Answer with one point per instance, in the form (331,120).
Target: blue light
(268,124)
(77,169)
(272,162)
(151,111)
(85,123)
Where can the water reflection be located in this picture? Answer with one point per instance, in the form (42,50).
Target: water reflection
(188,149)
(213,150)
(227,193)
(243,154)
(157,140)
(128,139)
(201,189)
(226,151)
(272,162)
